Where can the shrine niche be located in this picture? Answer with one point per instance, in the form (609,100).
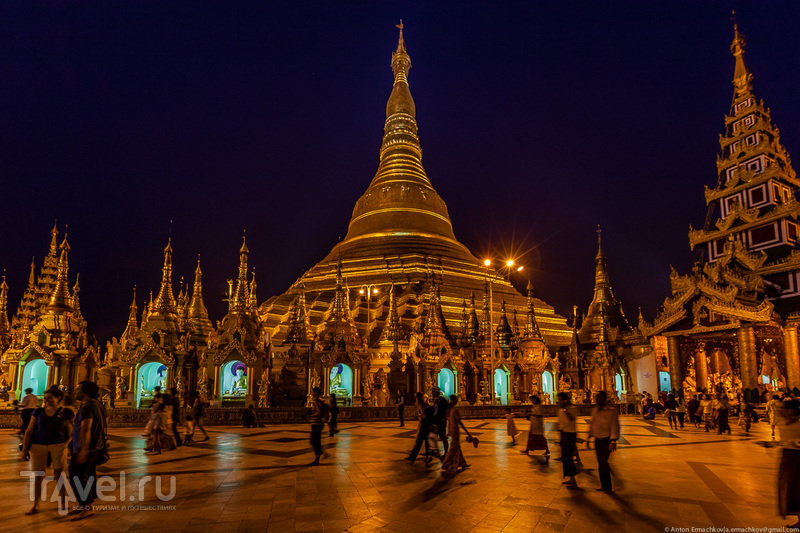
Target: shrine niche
(148,377)
(234,381)
(35,373)
(341,383)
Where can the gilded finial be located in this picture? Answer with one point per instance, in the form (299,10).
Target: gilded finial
(401,45)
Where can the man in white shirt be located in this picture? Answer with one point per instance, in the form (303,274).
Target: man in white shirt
(605,430)
(28,404)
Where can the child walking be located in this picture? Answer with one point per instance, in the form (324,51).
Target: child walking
(511,427)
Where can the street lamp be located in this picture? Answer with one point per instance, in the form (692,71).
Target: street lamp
(369,290)
(508,268)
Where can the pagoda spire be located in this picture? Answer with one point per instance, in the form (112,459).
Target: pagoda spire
(60,299)
(473,326)
(742,78)
(197,309)
(32,275)
(400,200)
(531,327)
(338,300)
(54,240)
(4,325)
(165,301)
(604,309)
(76,304)
(393,330)
(239,301)
(503,332)
(132,327)
(252,292)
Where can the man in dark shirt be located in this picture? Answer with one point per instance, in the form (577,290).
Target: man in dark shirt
(440,406)
(175,403)
(88,442)
(426,419)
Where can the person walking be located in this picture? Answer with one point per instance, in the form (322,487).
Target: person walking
(316,417)
(440,407)
(681,408)
(333,423)
(773,412)
(536,438)
(159,419)
(48,432)
(722,408)
(88,447)
(672,411)
(567,415)
(693,408)
(400,402)
(425,416)
(175,407)
(454,458)
(511,427)
(27,405)
(604,428)
(707,405)
(197,416)
(789,470)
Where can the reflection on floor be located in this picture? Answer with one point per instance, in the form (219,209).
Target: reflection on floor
(254,480)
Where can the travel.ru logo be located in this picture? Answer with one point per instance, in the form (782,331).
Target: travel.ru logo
(107,489)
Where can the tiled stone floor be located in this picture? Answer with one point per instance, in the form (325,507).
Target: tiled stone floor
(254,480)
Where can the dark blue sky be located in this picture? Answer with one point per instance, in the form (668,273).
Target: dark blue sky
(538,121)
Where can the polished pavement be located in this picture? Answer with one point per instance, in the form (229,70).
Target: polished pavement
(254,480)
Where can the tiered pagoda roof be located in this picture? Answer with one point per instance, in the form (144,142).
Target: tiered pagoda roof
(400,235)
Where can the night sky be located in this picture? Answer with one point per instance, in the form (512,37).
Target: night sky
(538,121)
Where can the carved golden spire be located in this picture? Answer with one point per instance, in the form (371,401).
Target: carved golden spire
(197,309)
(60,299)
(338,299)
(253,298)
(132,327)
(32,275)
(742,77)
(239,300)
(76,304)
(531,328)
(54,240)
(474,326)
(4,326)
(393,330)
(165,301)
(604,309)
(503,331)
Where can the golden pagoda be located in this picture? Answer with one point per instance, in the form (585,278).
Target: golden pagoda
(384,310)
(46,343)
(731,324)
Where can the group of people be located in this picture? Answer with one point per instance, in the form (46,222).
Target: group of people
(440,422)
(165,418)
(68,437)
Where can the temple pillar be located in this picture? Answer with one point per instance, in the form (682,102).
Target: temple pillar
(701,367)
(215,392)
(748,370)
(674,360)
(792,354)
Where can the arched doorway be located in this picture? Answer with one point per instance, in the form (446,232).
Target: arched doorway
(341,383)
(233,382)
(664,382)
(447,382)
(34,376)
(150,376)
(501,386)
(619,384)
(547,385)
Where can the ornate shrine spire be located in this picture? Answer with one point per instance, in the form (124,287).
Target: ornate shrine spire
(54,240)
(393,331)
(742,78)
(252,292)
(4,325)
(604,310)
(503,331)
(197,309)
(60,299)
(531,327)
(165,301)
(239,298)
(474,325)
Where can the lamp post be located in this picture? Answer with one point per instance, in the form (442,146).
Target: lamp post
(490,278)
(369,290)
